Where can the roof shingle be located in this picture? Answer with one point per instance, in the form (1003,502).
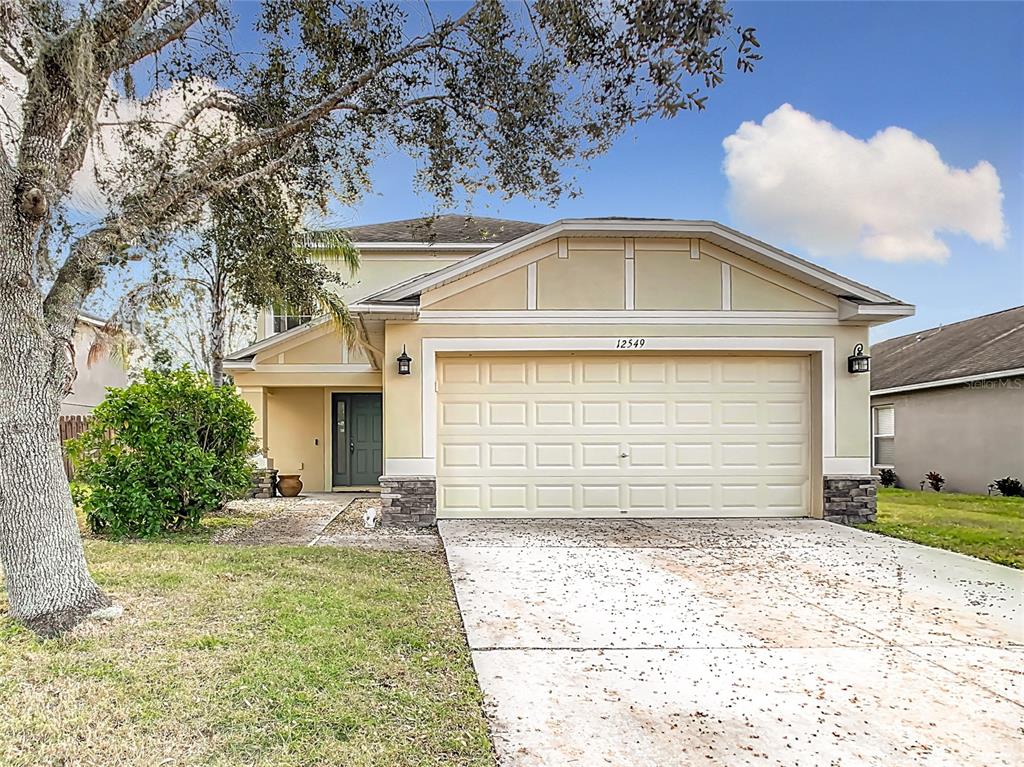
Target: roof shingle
(986,344)
(443,228)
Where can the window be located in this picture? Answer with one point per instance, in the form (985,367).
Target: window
(884,435)
(288,317)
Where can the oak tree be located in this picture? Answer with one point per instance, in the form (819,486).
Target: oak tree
(504,98)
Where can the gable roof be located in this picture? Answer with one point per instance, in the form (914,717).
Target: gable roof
(712,231)
(446,228)
(506,237)
(990,346)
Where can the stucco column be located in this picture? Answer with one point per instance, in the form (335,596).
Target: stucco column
(257,396)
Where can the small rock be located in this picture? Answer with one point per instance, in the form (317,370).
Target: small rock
(111,613)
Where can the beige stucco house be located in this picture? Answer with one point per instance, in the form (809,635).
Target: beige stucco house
(588,368)
(94,375)
(951,399)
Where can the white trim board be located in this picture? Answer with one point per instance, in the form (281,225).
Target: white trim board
(850,310)
(431,347)
(531,286)
(858,467)
(995,374)
(712,317)
(410,467)
(630,275)
(287,367)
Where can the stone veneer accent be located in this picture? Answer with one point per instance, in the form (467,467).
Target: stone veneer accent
(850,500)
(264,483)
(408,501)
(412,501)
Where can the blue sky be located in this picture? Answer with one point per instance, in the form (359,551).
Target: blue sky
(950,73)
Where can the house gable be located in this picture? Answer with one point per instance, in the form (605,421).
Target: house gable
(319,345)
(623,274)
(504,291)
(585,273)
(667,277)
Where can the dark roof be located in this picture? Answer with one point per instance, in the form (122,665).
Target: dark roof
(443,228)
(986,344)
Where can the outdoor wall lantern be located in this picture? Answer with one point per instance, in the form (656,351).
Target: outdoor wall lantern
(404,363)
(858,362)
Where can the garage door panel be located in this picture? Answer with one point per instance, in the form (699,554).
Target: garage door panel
(459,497)
(649,436)
(508,497)
(596,454)
(510,455)
(553,372)
(652,497)
(601,496)
(507,373)
(457,413)
(600,372)
(554,498)
(461,456)
(554,414)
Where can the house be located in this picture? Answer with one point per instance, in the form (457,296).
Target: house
(605,367)
(95,375)
(951,399)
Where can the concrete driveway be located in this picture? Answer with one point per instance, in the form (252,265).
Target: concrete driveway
(739,642)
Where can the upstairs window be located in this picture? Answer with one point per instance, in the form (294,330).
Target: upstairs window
(884,436)
(288,317)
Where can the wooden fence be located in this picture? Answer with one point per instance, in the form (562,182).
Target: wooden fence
(71,426)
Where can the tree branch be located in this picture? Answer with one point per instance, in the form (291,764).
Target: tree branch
(116,18)
(13,58)
(220,100)
(269,169)
(194,186)
(148,43)
(6,167)
(334,101)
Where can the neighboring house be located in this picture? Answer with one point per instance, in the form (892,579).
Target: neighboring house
(951,399)
(93,378)
(604,367)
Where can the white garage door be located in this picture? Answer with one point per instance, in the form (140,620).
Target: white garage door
(590,436)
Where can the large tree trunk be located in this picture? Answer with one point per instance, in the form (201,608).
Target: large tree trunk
(48,583)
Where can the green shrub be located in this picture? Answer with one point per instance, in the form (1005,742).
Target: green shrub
(161,453)
(80,492)
(1009,486)
(935,481)
(888,478)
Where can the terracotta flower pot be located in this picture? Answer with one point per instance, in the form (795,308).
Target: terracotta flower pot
(289,485)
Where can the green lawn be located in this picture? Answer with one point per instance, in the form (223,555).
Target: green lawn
(249,656)
(977,525)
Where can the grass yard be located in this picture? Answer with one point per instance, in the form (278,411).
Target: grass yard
(977,525)
(249,656)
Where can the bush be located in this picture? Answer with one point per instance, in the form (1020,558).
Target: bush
(935,480)
(80,493)
(888,478)
(161,453)
(1009,486)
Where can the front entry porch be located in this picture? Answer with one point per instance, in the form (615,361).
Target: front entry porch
(331,436)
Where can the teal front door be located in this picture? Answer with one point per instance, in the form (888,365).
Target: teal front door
(358,444)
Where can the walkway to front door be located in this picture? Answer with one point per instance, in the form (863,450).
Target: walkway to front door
(358,446)
(729,642)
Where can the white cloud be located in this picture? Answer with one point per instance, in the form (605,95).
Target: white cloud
(106,150)
(802,180)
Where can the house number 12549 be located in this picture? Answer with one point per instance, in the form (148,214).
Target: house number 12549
(630,343)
